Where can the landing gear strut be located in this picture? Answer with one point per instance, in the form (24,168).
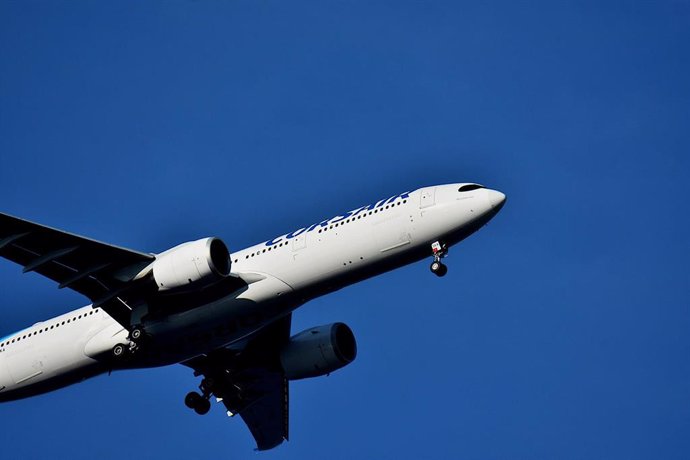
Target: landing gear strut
(440,250)
(200,403)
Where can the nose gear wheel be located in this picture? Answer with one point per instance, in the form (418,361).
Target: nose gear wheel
(439,250)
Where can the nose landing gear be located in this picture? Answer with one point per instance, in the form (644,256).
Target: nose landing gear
(440,250)
(438,269)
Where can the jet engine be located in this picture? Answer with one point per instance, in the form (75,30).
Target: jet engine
(196,262)
(318,351)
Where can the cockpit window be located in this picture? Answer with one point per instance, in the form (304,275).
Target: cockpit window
(469,187)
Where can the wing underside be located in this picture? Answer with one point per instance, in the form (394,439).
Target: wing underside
(97,270)
(250,382)
(82,264)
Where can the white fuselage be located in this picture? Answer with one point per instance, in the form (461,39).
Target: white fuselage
(281,275)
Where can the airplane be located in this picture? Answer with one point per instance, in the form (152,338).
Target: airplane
(226,316)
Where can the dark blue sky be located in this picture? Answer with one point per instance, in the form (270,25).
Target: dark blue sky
(562,328)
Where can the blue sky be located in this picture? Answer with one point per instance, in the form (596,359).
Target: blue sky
(561,330)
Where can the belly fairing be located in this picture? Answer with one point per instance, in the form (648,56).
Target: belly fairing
(102,343)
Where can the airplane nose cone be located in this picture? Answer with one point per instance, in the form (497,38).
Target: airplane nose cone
(496,199)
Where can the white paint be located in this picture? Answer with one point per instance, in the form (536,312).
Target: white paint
(310,264)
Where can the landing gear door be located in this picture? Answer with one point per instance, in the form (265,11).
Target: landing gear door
(427,197)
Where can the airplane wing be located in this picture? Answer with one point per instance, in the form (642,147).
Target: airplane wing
(251,382)
(102,272)
(97,270)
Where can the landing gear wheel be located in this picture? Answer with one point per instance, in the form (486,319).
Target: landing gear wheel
(192,399)
(197,402)
(136,334)
(439,250)
(139,339)
(202,407)
(119,351)
(438,269)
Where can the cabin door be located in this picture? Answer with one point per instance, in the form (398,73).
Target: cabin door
(427,197)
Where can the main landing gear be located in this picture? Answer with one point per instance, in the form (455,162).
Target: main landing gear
(440,250)
(197,402)
(200,403)
(120,352)
(137,334)
(137,338)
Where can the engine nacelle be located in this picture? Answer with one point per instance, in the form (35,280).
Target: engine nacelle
(318,351)
(197,262)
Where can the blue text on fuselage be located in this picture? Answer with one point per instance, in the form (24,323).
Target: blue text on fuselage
(337,218)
